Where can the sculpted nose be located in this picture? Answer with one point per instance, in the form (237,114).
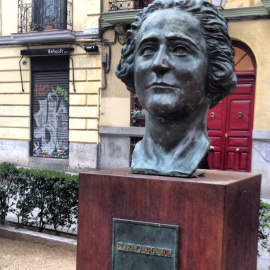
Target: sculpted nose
(161,65)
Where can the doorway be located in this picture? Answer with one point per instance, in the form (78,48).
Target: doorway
(230,123)
(50,107)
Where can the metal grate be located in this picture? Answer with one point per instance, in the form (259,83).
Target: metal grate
(50,110)
(45,14)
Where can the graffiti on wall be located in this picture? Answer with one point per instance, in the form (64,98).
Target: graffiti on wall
(50,130)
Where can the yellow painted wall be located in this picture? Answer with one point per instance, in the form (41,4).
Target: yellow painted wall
(0,17)
(86,14)
(9,17)
(14,103)
(243,3)
(84,103)
(106,6)
(115,99)
(256,34)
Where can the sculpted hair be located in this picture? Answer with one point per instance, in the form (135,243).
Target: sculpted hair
(222,80)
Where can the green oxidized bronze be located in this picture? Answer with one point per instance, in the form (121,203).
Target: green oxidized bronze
(143,245)
(180,62)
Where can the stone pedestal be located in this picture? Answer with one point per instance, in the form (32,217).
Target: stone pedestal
(217,215)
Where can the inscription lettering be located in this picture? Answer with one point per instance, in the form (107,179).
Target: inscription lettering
(57,51)
(142,249)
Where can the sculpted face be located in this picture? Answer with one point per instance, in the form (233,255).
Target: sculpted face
(171,64)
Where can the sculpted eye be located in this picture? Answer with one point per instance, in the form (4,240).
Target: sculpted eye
(148,50)
(181,50)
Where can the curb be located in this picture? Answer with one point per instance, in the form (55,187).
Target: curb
(36,237)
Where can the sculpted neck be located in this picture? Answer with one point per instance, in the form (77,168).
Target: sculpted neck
(170,133)
(172,147)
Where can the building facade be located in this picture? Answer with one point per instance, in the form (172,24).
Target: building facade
(62,107)
(50,81)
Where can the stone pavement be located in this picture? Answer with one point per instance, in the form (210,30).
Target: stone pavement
(34,253)
(23,255)
(31,252)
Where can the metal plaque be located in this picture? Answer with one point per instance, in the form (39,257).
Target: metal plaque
(144,246)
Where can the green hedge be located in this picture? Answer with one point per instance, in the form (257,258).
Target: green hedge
(54,194)
(264,228)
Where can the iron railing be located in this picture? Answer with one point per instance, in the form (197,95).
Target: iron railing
(128,4)
(137,115)
(44,14)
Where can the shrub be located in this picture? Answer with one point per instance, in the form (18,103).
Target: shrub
(53,194)
(56,196)
(8,188)
(3,205)
(264,226)
(25,201)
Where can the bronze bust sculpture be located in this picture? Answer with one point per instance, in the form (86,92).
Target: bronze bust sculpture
(179,61)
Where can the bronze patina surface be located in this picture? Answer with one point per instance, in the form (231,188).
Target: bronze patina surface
(179,60)
(143,245)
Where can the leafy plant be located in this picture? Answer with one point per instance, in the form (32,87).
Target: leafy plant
(3,205)
(55,195)
(264,226)
(64,202)
(52,194)
(36,27)
(51,19)
(25,202)
(8,188)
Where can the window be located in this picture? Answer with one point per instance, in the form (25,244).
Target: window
(40,15)
(242,60)
(49,14)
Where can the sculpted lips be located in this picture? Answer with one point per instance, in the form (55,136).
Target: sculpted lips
(162,87)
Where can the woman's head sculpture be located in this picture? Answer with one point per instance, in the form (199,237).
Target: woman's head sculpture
(178,55)
(222,80)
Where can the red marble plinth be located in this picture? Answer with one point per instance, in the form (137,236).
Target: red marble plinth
(217,215)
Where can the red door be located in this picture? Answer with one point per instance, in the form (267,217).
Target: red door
(217,129)
(230,126)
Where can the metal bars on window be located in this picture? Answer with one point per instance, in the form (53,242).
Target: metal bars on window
(45,15)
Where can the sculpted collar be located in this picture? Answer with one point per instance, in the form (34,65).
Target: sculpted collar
(149,158)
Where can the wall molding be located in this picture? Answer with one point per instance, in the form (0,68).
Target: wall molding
(49,36)
(139,132)
(121,131)
(260,134)
(246,11)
